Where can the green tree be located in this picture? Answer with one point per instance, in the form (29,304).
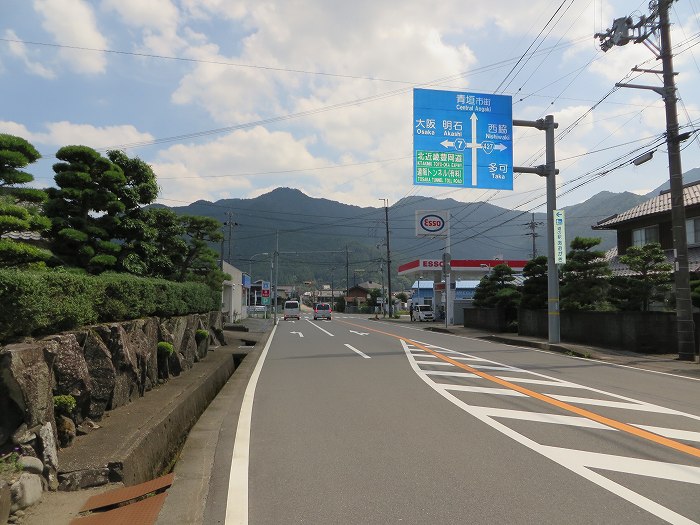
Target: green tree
(198,258)
(650,282)
(584,276)
(132,228)
(163,245)
(19,206)
(497,289)
(535,288)
(85,208)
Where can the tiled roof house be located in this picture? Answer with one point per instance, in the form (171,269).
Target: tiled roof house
(651,222)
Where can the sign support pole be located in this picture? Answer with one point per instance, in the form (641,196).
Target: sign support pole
(549,171)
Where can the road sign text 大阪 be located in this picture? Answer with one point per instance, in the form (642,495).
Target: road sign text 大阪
(462,139)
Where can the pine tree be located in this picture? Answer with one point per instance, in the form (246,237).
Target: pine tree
(19,207)
(85,208)
(584,277)
(535,287)
(651,279)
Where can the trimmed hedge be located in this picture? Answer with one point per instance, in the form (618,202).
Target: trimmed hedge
(42,302)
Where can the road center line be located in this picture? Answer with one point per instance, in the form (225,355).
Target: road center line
(613,423)
(357,351)
(322,330)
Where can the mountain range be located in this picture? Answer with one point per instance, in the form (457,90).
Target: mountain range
(326,242)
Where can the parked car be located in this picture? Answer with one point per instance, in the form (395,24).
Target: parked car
(322,311)
(423,312)
(292,309)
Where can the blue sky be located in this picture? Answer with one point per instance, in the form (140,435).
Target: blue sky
(232,98)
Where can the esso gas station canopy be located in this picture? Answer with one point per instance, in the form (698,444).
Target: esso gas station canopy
(459,268)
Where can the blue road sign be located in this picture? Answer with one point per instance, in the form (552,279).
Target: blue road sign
(462,139)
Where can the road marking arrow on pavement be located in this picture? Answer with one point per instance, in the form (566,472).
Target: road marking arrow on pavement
(300,334)
(359,333)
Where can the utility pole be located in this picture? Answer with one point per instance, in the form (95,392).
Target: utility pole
(625,30)
(347,273)
(549,171)
(388,257)
(230,223)
(277,273)
(532,226)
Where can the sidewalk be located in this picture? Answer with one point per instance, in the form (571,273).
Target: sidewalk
(667,363)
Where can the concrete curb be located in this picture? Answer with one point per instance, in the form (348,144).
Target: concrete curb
(191,493)
(537,344)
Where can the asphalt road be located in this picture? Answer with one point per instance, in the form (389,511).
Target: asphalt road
(358,421)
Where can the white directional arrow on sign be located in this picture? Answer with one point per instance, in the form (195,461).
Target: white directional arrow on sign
(474,145)
(358,333)
(447,143)
(300,334)
(500,147)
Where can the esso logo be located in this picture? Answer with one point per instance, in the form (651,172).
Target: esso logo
(432,264)
(432,223)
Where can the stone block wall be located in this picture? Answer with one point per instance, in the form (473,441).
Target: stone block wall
(103,367)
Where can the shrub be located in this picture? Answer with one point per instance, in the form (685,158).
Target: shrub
(165,349)
(39,302)
(64,404)
(200,335)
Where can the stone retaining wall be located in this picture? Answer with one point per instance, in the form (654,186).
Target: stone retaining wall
(103,367)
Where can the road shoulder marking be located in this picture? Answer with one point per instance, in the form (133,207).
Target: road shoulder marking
(237,500)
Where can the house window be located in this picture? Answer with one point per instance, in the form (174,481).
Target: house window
(643,236)
(692,231)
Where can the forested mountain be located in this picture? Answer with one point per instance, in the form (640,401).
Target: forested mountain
(314,234)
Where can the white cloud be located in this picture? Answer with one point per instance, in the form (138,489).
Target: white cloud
(73,23)
(233,163)
(19,50)
(158,20)
(160,15)
(67,133)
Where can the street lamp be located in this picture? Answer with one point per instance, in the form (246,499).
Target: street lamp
(250,262)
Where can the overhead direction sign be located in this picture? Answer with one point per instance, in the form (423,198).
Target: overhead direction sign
(559,237)
(462,139)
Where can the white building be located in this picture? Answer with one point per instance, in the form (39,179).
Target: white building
(234,294)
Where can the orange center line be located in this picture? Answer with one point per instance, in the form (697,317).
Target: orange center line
(613,423)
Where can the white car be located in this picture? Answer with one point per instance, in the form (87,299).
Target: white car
(292,310)
(423,312)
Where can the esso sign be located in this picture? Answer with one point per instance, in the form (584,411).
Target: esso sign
(432,223)
(431,263)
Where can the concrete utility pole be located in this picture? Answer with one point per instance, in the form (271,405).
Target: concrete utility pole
(550,172)
(388,257)
(230,223)
(532,226)
(625,30)
(277,272)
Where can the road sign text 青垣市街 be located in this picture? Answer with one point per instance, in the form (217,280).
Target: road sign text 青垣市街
(462,139)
